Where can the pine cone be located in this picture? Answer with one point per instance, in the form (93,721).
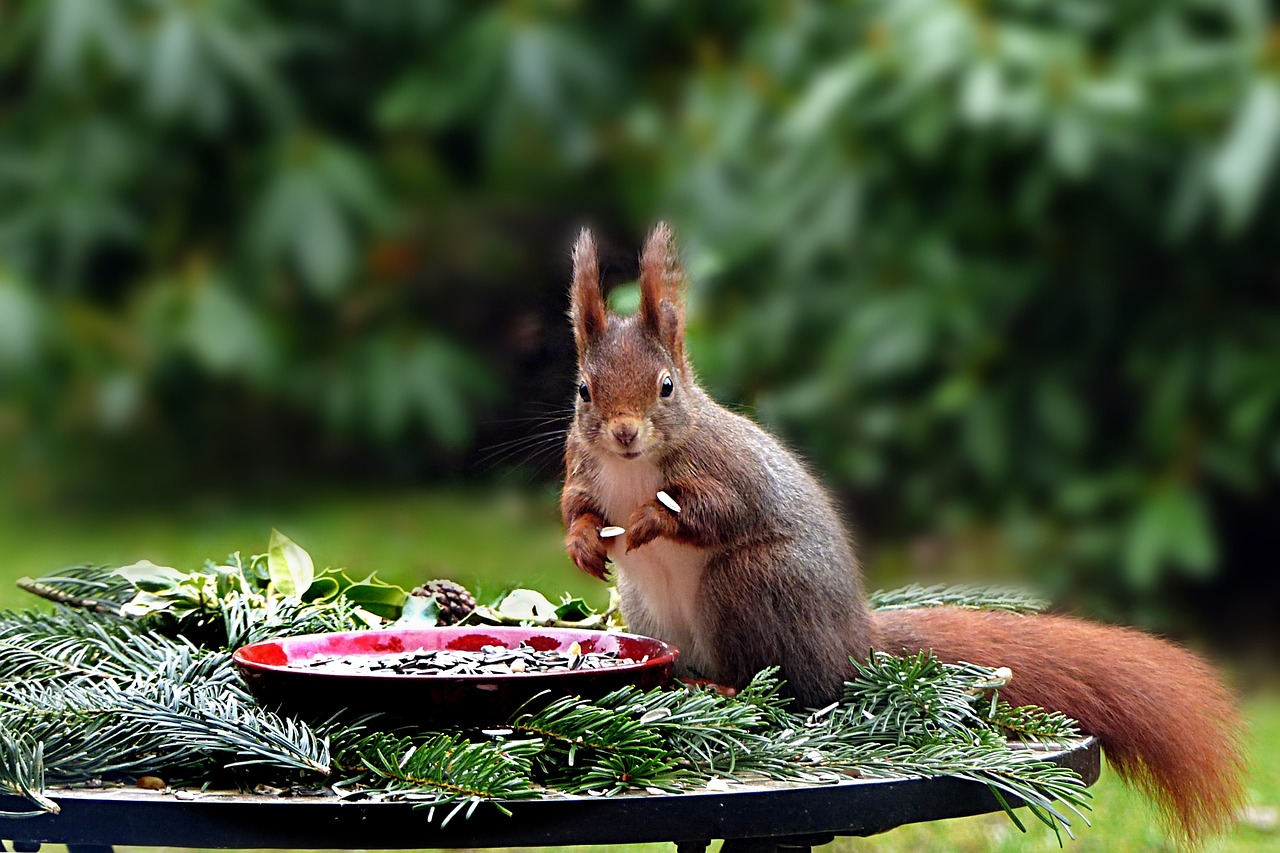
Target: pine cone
(454,600)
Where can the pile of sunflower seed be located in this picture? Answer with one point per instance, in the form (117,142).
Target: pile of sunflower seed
(490,660)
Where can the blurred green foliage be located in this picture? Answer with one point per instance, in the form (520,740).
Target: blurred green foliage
(1002,265)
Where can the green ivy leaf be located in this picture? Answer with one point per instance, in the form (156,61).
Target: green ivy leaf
(419,611)
(289,566)
(527,604)
(148,577)
(574,610)
(378,597)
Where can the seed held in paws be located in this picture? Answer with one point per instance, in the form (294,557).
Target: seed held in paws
(668,501)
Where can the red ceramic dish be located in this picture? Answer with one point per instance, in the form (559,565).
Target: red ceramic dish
(487,699)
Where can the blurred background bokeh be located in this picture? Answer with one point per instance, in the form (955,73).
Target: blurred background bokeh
(1006,272)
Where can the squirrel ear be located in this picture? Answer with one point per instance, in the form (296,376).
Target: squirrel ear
(662,289)
(586,300)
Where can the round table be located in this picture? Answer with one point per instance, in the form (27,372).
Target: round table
(753,817)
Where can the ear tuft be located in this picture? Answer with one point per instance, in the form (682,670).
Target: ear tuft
(586,300)
(662,282)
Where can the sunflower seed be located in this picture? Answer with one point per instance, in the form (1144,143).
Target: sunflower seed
(668,501)
(491,661)
(611,531)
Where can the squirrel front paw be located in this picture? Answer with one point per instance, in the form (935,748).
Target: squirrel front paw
(586,548)
(649,522)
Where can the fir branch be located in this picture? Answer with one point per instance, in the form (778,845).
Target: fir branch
(917,698)
(716,735)
(84,694)
(614,773)
(70,644)
(159,727)
(1016,773)
(22,773)
(969,596)
(246,621)
(589,747)
(220,725)
(572,725)
(445,770)
(1034,725)
(86,587)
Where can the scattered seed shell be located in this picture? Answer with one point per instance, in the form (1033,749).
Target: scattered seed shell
(611,531)
(654,715)
(668,501)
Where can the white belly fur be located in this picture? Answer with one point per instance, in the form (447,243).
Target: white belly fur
(664,575)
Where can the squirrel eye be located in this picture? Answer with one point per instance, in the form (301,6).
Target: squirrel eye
(584,393)
(667,386)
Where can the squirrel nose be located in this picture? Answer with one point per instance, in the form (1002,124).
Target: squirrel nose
(625,432)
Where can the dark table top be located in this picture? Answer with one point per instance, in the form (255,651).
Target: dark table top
(755,816)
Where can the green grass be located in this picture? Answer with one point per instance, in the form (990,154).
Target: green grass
(494,540)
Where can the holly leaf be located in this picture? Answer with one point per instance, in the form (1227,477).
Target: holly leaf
(378,597)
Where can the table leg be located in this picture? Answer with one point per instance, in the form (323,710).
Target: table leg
(791,844)
(803,842)
(749,845)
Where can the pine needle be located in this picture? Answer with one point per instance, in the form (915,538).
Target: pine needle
(86,695)
(969,596)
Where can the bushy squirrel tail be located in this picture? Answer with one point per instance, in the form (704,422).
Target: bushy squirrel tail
(1165,721)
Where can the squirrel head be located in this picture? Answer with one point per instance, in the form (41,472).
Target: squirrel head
(636,393)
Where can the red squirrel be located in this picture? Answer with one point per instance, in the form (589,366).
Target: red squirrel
(743,562)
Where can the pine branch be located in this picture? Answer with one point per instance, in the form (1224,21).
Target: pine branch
(160,727)
(445,770)
(1033,725)
(716,735)
(600,749)
(1016,773)
(917,698)
(70,644)
(85,695)
(969,596)
(87,587)
(221,726)
(246,621)
(22,773)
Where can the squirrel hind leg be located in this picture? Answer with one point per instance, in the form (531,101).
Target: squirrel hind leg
(755,622)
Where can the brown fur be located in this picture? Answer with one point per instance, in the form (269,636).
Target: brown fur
(1164,719)
(587,308)
(661,291)
(757,569)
